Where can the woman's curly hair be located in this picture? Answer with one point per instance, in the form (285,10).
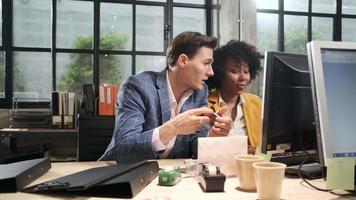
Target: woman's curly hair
(239,51)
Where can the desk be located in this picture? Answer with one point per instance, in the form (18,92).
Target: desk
(187,189)
(61,143)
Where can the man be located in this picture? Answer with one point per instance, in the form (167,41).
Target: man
(161,115)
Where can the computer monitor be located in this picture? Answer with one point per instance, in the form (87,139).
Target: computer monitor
(287,111)
(333,74)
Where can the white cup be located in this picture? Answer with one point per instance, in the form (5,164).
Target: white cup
(245,171)
(269,178)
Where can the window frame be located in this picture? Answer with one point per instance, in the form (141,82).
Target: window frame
(9,49)
(337,20)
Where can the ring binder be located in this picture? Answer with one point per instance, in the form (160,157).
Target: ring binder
(51,185)
(127,179)
(15,176)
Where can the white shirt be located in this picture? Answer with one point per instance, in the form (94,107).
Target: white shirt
(157,144)
(238,126)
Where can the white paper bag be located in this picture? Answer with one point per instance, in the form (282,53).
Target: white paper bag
(220,151)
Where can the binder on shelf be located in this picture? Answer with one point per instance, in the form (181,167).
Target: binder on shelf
(107,99)
(109,104)
(16,176)
(28,117)
(114,97)
(89,99)
(102,100)
(122,180)
(63,110)
(55,103)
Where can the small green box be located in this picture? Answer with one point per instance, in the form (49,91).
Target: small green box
(169,176)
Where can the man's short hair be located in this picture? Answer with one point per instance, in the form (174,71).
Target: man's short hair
(188,43)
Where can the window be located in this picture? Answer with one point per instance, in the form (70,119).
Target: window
(287,25)
(63,44)
(295,22)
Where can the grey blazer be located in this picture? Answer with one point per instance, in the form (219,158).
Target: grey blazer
(143,105)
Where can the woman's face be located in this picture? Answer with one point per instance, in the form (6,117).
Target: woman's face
(237,77)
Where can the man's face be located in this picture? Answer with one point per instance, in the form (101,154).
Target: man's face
(237,77)
(198,68)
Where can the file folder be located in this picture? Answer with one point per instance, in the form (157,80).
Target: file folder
(15,176)
(122,180)
(102,100)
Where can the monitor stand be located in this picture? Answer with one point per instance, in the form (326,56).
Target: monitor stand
(308,171)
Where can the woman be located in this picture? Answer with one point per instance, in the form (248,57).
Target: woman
(235,65)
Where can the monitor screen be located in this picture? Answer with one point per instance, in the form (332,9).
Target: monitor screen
(288,115)
(334,78)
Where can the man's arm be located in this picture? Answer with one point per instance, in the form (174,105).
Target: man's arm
(130,142)
(203,131)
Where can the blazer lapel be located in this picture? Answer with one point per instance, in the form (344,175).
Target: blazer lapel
(163,96)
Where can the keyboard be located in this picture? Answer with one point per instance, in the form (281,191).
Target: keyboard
(290,158)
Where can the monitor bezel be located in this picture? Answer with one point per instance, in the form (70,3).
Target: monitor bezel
(319,94)
(266,94)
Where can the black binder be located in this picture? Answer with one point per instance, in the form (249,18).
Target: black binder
(122,180)
(89,99)
(16,176)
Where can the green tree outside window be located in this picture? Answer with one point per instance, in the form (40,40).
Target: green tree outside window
(80,67)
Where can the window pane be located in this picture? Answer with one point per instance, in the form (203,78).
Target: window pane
(2,75)
(296,5)
(322,28)
(190,1)
(256,85)
(349,7)
(267,4)
(114,68)
(74,24)
(267,32)
(32,23)
(32,74)
(73,70)
(150,63)
(324,6)
(195,21)
(116,26)
(149,28)
(295,34)
(348,30)
(215,22)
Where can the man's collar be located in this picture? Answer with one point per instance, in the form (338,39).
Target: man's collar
(171,96)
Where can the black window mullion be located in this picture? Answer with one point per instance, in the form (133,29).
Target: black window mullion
(208,13)
(133,58)
(54,45)
(309,28)
(187,5)
(280,26)
(338,22)
(170,20)
(96,45)
(167,28)
(7,43)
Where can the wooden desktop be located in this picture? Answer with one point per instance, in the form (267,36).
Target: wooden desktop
(188,188)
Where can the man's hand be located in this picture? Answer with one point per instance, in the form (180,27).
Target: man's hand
(222,124)
(184,123)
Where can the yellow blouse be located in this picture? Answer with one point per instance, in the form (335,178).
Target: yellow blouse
(251,112)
